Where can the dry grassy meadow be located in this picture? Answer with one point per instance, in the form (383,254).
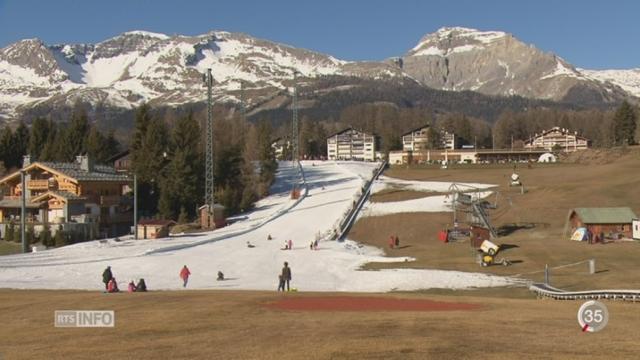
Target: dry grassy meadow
(509,323)
(238,325)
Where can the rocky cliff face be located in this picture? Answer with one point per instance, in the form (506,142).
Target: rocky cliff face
(496,63)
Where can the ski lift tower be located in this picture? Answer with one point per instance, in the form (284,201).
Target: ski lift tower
(295,155)
(211,215)
(209,184)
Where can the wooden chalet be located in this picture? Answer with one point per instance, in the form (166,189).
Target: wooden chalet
(121,161)
(613,222)
(69,194)
(154,228)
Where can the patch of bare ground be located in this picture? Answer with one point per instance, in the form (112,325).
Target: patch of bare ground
(533,222)
(395,194)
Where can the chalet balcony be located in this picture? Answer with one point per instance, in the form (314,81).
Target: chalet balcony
(67,187)
(38,184)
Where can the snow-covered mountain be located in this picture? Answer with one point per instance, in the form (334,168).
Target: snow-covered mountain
(138,66)
(629,80)
(496,63)
(142,66)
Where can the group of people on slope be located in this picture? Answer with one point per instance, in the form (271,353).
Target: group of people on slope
(288,245)
(111,285)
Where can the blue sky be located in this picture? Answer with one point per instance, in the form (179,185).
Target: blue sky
(589,34)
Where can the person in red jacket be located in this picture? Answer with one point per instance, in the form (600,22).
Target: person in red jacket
(184,275)
(112,286)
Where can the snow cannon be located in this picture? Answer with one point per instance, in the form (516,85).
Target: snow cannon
(490,248)
(515,180)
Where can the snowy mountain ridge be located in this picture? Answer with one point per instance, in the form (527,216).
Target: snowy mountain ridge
(629,79)
(141,66)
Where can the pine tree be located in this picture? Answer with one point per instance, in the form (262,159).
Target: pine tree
(624,122)
(178,189)
(148,158)
(112,145)
(50,149)
(249,176)
(7,149)
(73,141)
(268,164)
(184,175)
(20,143)
(97,146)
(142,120)
(305,138)
(38,138)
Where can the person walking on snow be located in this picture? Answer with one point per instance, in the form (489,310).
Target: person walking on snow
(184,275)
(290,244)
(106,276)
(286,275)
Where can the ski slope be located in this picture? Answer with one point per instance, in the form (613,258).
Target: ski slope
(333,267)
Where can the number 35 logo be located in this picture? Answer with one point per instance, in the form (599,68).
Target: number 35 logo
(593,316)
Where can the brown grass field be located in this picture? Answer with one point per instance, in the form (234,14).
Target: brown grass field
(388,195)
(552,190)
(241,325)
(503,323)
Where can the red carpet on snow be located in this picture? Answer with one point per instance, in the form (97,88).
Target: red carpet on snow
(358,303)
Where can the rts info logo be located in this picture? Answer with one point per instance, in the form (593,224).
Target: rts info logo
(84,318)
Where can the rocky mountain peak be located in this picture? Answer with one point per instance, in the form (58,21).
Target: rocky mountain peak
(455,39)
(34,55)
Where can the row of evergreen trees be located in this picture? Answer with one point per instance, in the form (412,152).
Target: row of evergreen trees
(50,141)
(169,164)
